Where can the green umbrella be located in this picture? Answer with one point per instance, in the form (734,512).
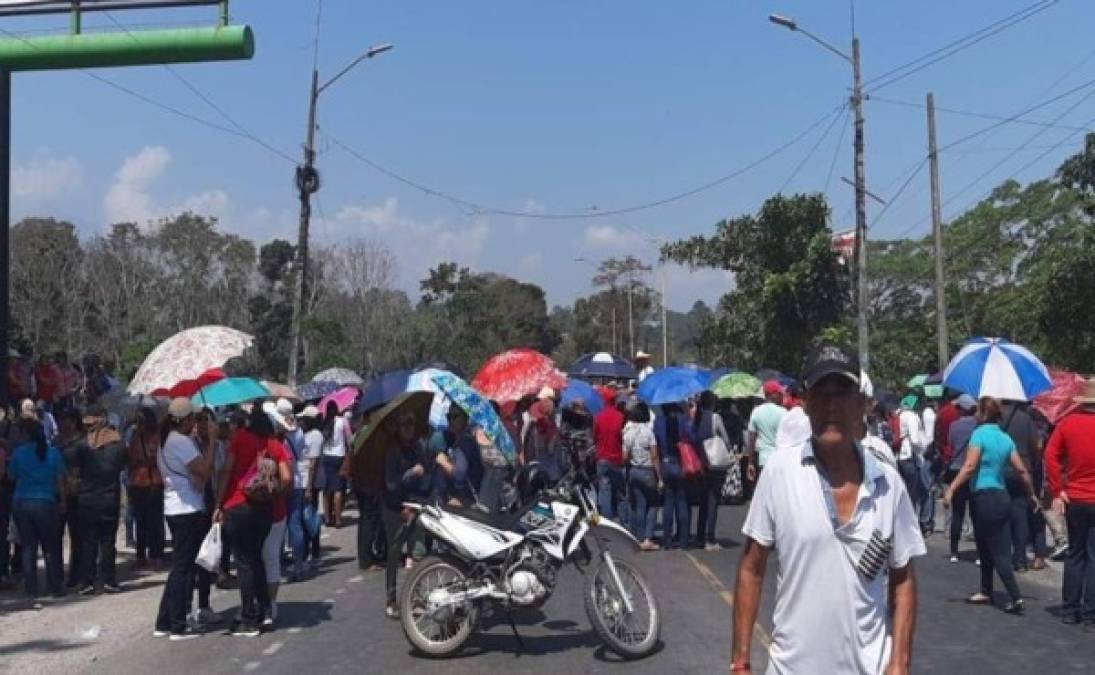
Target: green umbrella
(933,390)
(917,381)
(736,385)
(229,391)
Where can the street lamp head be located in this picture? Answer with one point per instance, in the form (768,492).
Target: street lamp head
(784,21)
(378,49)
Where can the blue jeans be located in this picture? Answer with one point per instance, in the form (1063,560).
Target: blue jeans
(610,489)
(927,505)
(644,490)
(1078,592)
(708,510)
(39,525)
(676,504)
(294,504)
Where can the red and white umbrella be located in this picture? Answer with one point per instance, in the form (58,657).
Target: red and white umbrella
(187,356)
(514,374)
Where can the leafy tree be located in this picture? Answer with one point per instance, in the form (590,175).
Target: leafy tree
(790,285)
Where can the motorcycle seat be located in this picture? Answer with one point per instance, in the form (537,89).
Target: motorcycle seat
(499,521)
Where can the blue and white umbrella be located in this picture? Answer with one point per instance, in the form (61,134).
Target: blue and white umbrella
(998,368)
(603,364)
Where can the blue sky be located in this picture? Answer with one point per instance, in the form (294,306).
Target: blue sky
(547,107)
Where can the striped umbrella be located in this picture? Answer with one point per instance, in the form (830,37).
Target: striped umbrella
(998,368)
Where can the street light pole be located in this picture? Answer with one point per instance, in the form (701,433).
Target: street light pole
(860,214)
(862,296)
(307,183)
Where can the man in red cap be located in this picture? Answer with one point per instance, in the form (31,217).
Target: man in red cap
(763,429)
(608,429)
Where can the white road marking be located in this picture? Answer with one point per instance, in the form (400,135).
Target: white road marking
(294,630)
(251,665)
(273,649)
(355,580)
(340,591)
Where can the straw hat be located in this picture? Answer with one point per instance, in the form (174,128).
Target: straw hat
(1087,396)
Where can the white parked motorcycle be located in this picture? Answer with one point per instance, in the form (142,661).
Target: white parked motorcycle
(512,560)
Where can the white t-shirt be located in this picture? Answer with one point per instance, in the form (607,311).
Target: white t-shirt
(829,575)
(912,434)
(880,449)
(794,429)
(928,417)
(180,494)
(336,445)
(313,448)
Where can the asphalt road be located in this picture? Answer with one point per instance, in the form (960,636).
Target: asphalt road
(336,622)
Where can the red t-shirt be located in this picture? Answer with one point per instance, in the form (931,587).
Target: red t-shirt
(243,448)
(608,429)
(1070,458)
(947,416)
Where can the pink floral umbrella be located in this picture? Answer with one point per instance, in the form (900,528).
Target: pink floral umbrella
(186,355)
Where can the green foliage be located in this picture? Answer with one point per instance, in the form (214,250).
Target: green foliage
(790,285)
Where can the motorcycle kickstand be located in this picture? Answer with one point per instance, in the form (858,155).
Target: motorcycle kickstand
(513,626)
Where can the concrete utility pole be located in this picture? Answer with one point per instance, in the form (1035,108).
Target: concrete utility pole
(860,215)
(937,231)
(307,182)
(860,184)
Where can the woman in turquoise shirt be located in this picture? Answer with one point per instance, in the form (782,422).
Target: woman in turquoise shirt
(990,453)
(38,472)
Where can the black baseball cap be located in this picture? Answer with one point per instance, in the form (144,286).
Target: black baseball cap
(830,358)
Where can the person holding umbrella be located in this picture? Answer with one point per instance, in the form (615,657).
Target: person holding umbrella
(990,453)
(407,476)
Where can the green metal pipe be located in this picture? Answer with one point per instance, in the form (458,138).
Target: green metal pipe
(135,48)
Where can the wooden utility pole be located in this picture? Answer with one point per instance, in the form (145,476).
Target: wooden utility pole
(937,231)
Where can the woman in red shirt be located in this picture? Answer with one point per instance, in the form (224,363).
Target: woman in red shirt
(248,513)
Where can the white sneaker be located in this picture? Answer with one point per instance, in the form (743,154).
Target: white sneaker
(160,633)
(978,562)
(954,560)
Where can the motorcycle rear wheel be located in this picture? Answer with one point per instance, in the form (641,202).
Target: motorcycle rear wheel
(634,635)
(430,635)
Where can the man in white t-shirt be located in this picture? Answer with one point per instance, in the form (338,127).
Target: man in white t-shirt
(185,470)
(845,533)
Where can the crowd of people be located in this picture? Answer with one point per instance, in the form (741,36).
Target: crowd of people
(263,473)
(258,472)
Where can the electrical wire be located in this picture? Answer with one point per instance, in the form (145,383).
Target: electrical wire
(897,195)
(810,154)
(836,149)
(946,51)
(244,132)
(483,209)
(153,102)
(970,113)
(315,42)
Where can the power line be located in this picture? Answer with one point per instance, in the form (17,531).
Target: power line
(479,208)
(207,100)
(839,141)
(1022,113)
(948,50)
(970,113)
(151,101)
(810,154)
(897,195)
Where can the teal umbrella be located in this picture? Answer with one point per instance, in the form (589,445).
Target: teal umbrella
(917,381)
(229,391)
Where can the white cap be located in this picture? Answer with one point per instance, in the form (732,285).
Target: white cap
(641,355)
(546,392)
(310,411)
(180,408)
(284,407)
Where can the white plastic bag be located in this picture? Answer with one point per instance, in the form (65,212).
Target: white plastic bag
(209,556)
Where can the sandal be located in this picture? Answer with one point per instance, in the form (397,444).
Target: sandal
(978,599)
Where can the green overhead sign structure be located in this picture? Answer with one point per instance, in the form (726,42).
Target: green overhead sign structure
(78,49)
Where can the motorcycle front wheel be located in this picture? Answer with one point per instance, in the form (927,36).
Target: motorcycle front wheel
(631,635)
(432,627)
